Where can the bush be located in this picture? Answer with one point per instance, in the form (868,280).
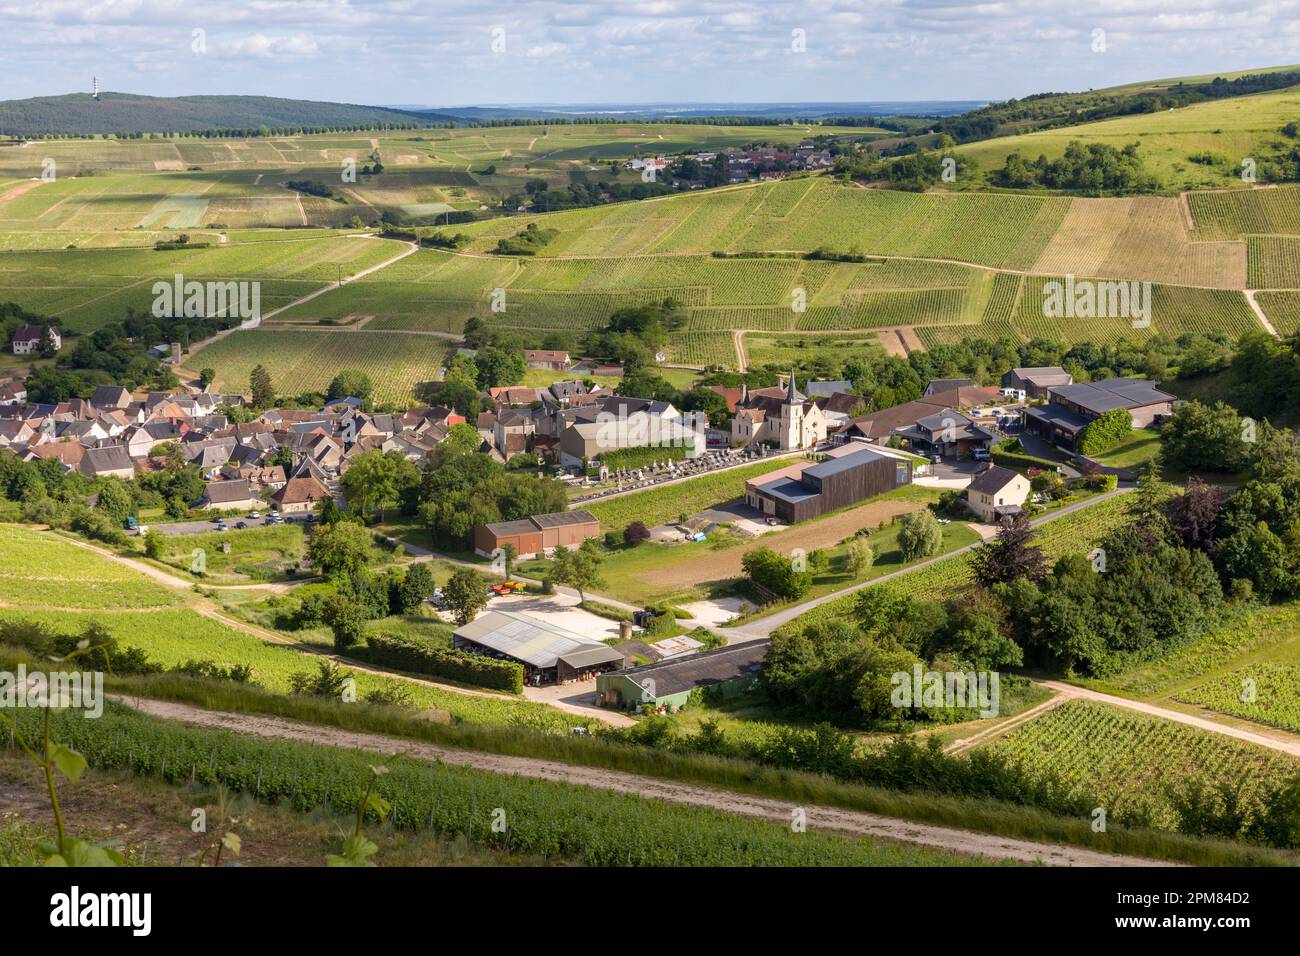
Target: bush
(421,657)
(635,533)
(1016,458)
(1106,432)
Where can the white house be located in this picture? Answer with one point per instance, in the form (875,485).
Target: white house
(997,493)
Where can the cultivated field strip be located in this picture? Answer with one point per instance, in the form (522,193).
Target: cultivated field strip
(1131,761)
(1232,214)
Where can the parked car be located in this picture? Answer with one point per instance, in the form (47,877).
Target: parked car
(241,524)
(141,530)
(255,514)
(218,519)
(223,526)
(311,517)
(981,454)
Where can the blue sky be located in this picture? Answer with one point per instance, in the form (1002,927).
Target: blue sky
(442,52)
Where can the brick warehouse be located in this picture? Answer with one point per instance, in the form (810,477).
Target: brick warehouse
(537,534)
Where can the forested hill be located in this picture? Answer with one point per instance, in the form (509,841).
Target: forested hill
(127,113)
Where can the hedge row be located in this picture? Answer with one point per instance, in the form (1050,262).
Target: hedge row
(420,657)
(1020,460)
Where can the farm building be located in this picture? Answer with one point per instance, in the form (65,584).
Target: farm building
(855,473)
(669,683)
(1035,381)
(549,654)
(30,338)
(1072,408)
(537,534)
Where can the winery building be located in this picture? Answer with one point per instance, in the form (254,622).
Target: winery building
(854,473)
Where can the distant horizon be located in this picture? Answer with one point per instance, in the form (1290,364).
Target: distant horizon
(680,51)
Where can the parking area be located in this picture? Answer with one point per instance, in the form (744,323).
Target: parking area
(232,524)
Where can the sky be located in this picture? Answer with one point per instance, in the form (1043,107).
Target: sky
(485,52)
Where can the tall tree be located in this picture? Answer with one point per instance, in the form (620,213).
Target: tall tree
(1010,556)
(259,384)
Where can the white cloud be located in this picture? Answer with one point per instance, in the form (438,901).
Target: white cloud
(437,51)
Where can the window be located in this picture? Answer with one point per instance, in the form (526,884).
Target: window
(901,473)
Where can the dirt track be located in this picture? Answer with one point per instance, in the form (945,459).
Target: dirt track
(849,822)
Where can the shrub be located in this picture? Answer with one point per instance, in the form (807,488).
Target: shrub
(635,533)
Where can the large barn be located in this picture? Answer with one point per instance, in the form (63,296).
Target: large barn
(549,654)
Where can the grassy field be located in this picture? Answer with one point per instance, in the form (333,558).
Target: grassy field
(683,571)
(262,553)
(1229,128)
(1130,761)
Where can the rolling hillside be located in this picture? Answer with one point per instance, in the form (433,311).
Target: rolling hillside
(127,113)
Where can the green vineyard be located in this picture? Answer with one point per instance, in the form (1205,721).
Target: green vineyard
(1267,693)
(1130,762)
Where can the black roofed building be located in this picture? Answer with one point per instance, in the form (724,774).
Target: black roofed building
(857,472)
(1035,380)
(1072,408)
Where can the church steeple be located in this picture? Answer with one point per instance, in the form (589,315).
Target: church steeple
(791,395)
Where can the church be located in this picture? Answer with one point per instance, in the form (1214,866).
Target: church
(780,415)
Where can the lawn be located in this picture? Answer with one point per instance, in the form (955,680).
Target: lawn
(1134,451)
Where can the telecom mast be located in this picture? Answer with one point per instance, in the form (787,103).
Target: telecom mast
(95,93)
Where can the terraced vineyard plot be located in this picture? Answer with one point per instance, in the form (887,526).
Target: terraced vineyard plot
(1143,238)
(1282,309)
(1274,262)
(702,349)
(987,229)
(42,570)
(1129,761)
(302,361)
(1072,533)
(1268,693)
(1240,212)
(84,289)
(1174,310)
